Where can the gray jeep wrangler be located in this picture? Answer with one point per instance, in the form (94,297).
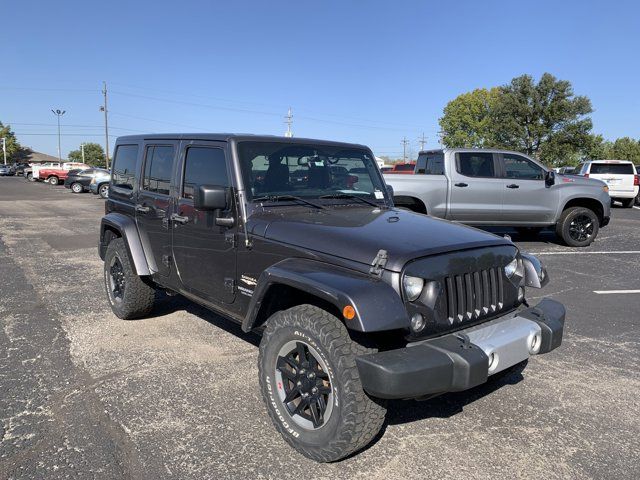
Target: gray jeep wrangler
(357,301)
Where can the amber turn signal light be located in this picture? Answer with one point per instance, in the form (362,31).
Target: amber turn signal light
(349,312)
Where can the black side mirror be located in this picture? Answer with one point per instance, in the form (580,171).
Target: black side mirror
(549,178)
(211,197)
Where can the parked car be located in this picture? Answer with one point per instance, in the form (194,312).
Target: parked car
(6,170)
(403,168)
(503,188)
(620,175)
(36,167)
(99,184)
(80,180)
(567,170)
(19,168)
(357,301)
(54,176)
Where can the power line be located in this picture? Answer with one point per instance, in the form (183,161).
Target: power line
(405,143)
(289,122)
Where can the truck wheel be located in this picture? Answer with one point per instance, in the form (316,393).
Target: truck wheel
(129,296)
(30,177)
(103,190)
(311,385)
(53,180)
(578,226)
(628,202)
(76,187)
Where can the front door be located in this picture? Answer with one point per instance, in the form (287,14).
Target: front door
(204,252)
(475,191)
(527,200)
(154,204)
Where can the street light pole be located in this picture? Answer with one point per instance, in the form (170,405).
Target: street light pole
(58,113)
(82,148)
(4,149)
(103,108)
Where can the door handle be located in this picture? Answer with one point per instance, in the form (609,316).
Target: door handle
(179,218)
(142,209)
(513,185)
(461,184)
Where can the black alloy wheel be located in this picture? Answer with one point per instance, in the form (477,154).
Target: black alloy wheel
(117,281)
(307,393)
(581,228)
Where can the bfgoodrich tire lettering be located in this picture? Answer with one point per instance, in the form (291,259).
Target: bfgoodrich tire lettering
(578,226)
(354,418)
(129,296)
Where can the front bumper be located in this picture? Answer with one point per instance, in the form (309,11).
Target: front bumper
(464,359)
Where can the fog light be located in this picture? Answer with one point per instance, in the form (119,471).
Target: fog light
(534,344)
(520,294)
(417,322)
(493,361)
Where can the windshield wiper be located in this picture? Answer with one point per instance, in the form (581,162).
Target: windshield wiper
(357,197)
(278,198)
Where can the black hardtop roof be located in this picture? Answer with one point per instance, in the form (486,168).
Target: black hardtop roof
(238,137)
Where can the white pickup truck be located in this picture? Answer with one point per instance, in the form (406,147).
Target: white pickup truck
(503,188)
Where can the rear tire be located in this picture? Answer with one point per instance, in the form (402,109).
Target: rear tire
(76,188)
(338,418)
(578,226)
(53,180)
(129,296)
(628,202)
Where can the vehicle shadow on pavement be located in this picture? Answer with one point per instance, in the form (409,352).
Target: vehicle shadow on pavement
(449,404)
(169,304)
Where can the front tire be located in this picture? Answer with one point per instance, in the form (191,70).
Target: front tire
(311,385)
(578,226)
(129,296)
(103,190)
(30,177)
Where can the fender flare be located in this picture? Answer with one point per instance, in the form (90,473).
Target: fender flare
(378,306)
(126,227)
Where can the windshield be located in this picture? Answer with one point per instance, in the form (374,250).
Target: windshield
(272,169)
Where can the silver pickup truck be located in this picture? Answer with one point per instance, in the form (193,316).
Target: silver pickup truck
(503,188)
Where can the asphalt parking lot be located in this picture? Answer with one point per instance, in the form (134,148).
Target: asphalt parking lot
(86,395)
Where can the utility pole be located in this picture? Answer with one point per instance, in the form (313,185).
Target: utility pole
(4,149)
(103,108)
(58,113)
(82,148)
(422,141)
(289,122)
(405,142)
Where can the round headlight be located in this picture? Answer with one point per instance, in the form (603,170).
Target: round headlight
(511,267)
(412,287)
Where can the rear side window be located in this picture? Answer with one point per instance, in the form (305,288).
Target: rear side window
(431,164)
(520,168)
(124,166)
(612,168)
(475,164)
(406,167)
(204,166)
(157,169)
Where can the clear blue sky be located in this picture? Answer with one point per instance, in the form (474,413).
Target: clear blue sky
(369,72)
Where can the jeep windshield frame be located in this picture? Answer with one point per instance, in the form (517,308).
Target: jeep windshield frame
(328,174)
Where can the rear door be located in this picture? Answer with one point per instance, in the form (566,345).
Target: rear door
(154,205)
(618,176)
(204,252)
(476,189)
(526,198)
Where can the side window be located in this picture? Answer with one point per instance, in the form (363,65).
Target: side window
(521,168)
(203,166)
(157,169)
(124,166)
(475,164)
(430,164)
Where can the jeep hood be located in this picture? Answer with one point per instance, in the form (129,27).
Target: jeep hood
(358,233)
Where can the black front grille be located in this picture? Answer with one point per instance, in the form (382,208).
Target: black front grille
(470,296)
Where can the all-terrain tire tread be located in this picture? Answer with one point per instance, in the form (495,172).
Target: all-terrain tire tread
(363,416)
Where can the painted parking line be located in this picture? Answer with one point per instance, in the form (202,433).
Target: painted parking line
(607,292)
(618,252)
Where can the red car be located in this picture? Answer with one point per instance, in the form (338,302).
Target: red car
(403,168)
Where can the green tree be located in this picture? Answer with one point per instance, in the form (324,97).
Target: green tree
(93,154)
(15,151)
(626,148)
(543,119)
(467,119)
(598,148)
